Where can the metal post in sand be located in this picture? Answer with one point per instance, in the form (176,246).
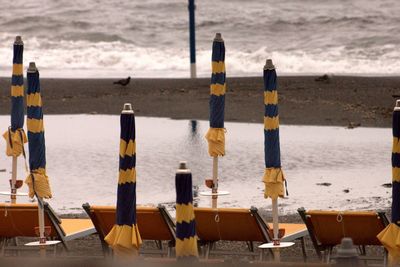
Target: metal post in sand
(192,38)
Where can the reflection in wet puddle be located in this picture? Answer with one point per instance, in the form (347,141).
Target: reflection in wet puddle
(82,163)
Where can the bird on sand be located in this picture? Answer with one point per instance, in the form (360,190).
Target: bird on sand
(123,82)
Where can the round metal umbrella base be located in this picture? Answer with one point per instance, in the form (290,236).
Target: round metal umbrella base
(209,193)
(281,245)
(48,243)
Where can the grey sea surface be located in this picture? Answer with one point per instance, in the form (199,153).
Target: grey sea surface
(326,167)
(71,38)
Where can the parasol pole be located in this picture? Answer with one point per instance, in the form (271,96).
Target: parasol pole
(13,195)
(215,183)
(42,237)
(275,225)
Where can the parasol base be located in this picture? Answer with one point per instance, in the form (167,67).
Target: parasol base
(8,193)
(48,243)
(219,193)
(281,245)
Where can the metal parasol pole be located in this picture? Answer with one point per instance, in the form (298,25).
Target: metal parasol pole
(215,183)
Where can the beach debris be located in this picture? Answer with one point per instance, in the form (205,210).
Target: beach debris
(3,170)
(352,125)
(395,96)
(346,191)
(324,184)
(182,90)
(387,185)
(324,78)
(123,82)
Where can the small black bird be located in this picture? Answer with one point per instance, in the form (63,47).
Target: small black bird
(123,82)
(324,78)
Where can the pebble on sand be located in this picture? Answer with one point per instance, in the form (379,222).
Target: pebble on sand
(387,185)
(324,184)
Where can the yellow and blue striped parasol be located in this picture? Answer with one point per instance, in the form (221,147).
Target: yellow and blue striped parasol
(124,237)
(216,134)
(273,175)
(390,236)
(15,136)
(37,180)
(186,239)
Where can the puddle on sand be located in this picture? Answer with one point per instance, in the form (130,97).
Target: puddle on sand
(82,163)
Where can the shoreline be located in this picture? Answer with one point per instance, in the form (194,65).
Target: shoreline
(303,100)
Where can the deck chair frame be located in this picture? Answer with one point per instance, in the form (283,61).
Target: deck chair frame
(264,229)
(166,217)
(55,223)
(324,251)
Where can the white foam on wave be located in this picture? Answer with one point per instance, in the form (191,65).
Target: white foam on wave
(83,59)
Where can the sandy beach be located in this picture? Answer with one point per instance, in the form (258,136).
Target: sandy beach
(338,70)
(339,101)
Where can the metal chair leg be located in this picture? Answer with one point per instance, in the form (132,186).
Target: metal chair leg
(208,250)
(329,255)
(303,249)
(385,257)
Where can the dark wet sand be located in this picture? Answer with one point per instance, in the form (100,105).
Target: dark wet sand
(366,101)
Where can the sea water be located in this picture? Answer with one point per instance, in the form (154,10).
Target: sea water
(91,38)
(82,154)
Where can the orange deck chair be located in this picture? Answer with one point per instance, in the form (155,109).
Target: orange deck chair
(327,228)
(20,220)
(154,223)
(233,224)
